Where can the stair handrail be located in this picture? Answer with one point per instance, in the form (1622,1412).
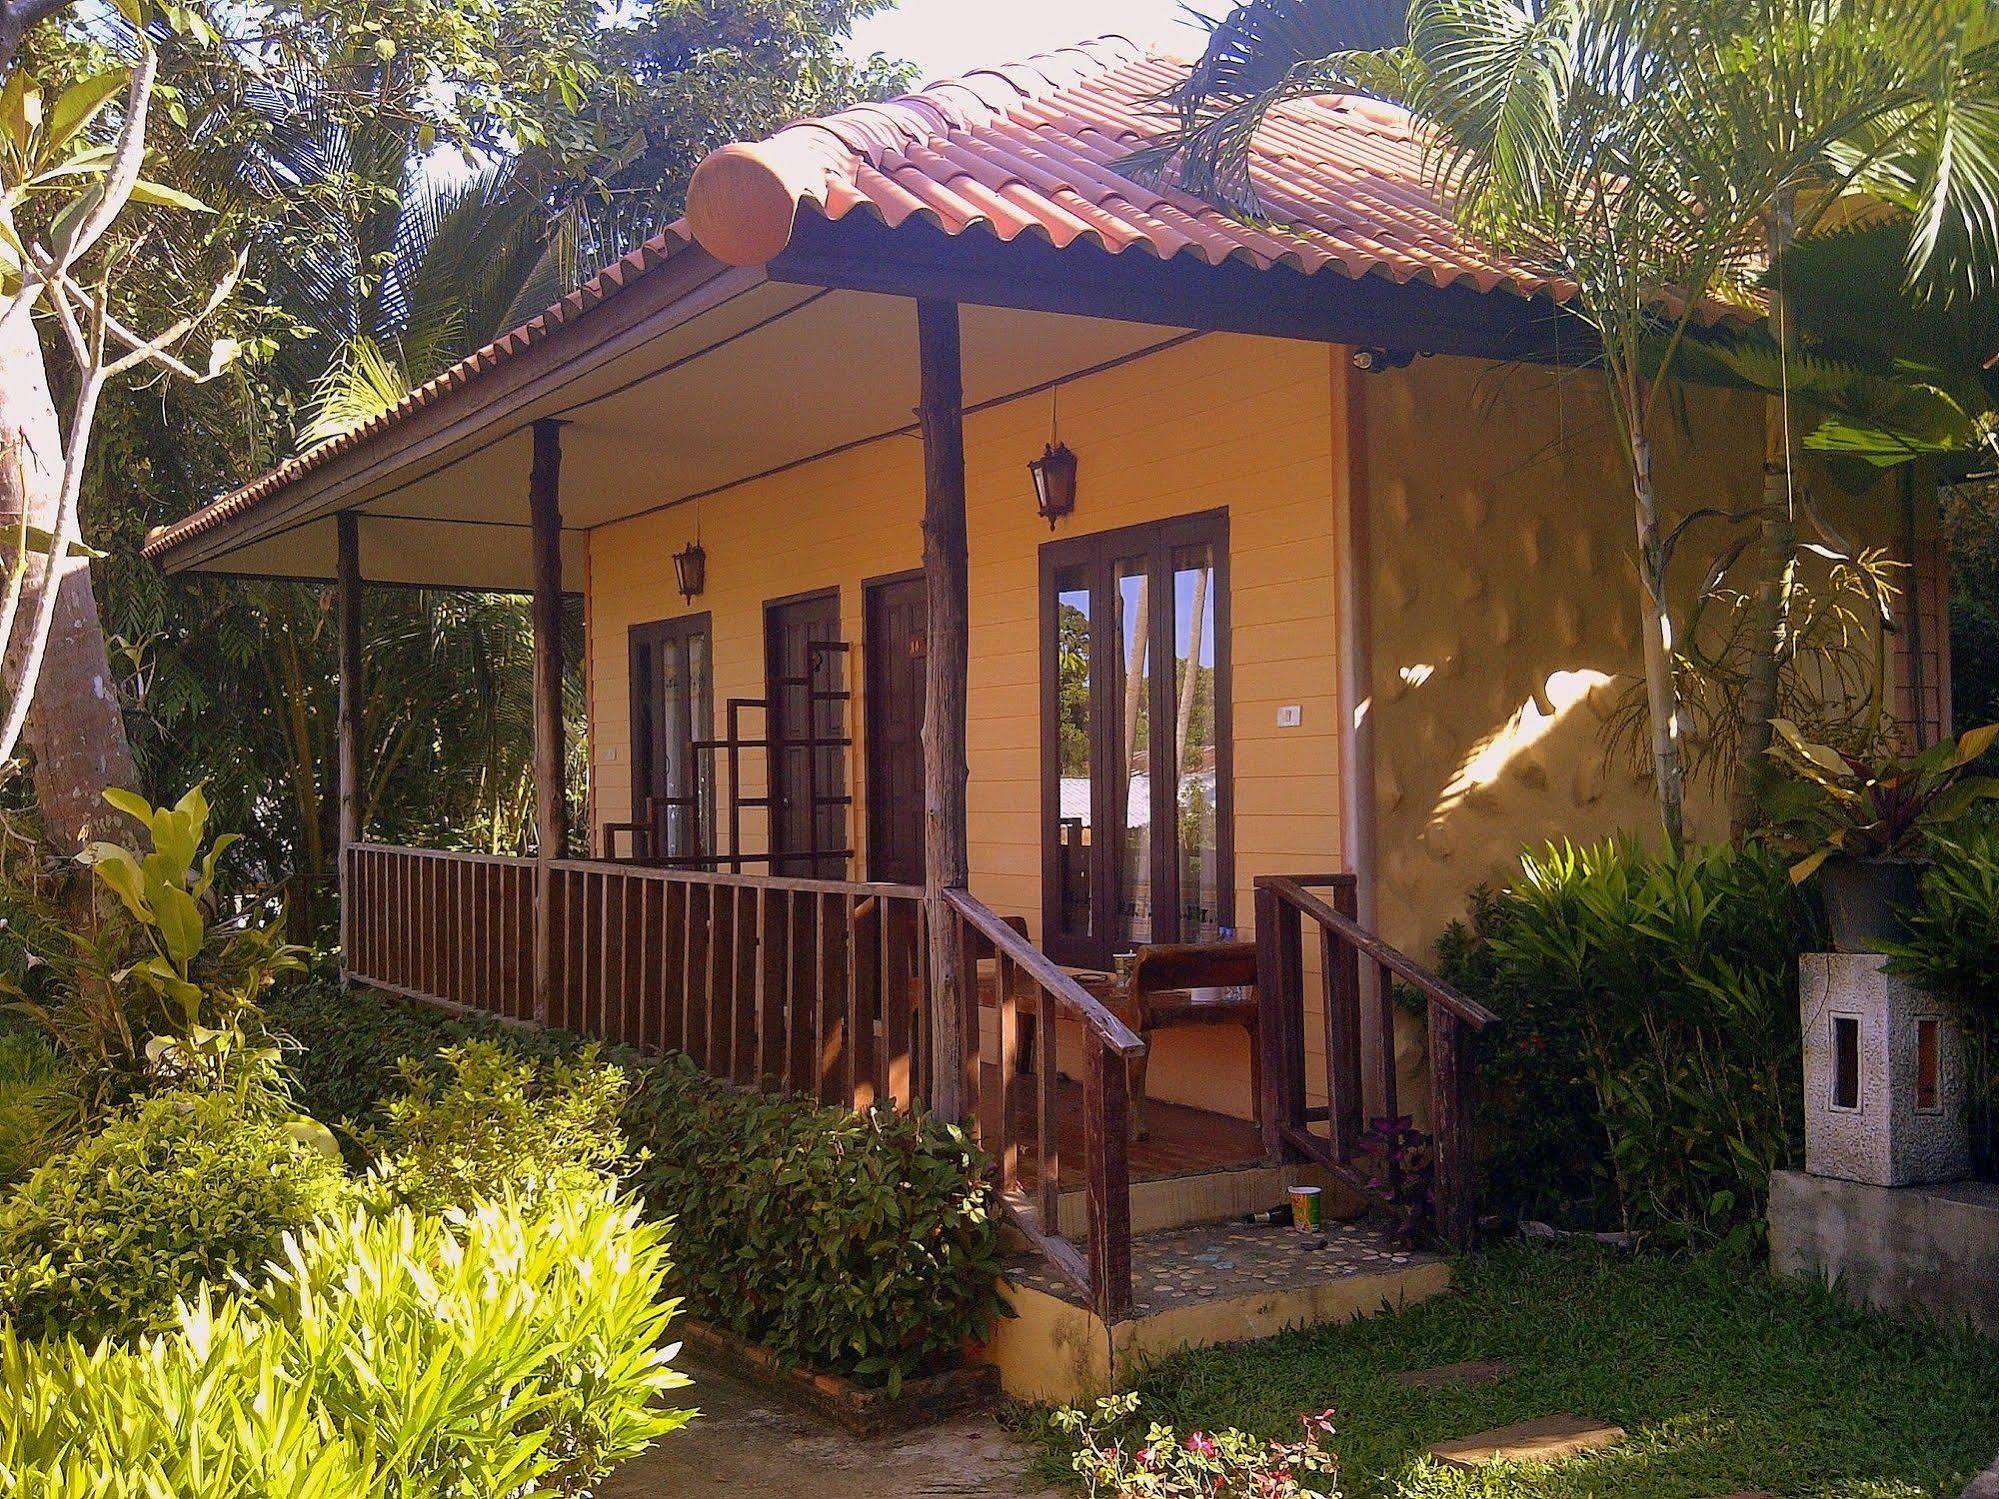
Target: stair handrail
(1102,1272)
(1283,902)
(1370,945)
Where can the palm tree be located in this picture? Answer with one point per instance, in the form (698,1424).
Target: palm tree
(1654,157)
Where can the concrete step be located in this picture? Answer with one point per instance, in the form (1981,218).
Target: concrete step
(1547,1440)
(1471,1374)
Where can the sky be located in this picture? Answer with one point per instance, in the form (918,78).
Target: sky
(946,37)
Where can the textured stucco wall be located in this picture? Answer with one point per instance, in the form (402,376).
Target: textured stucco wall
(1505,613)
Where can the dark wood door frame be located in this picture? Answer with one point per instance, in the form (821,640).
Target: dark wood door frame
(824,856)
(645,639)
(887,859)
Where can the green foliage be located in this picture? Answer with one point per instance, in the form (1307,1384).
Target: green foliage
(1826,802)
(1647,1074)
(182,1190)
(353,1044)
(1952,948)
(861,1242)
(398,1355)
(29,1074)
(1726,1378)
(499,1125)
(1113,1462)
(864,1244)
(160,991)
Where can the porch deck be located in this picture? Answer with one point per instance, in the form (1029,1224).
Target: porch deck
(1178,1140)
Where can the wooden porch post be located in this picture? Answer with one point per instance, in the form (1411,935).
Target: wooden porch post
(551,812)
(347,608)
(940,414)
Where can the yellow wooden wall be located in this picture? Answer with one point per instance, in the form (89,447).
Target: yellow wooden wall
(1217,422)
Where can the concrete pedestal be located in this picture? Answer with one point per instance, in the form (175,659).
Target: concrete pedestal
(1884,1076)
(1903,1249)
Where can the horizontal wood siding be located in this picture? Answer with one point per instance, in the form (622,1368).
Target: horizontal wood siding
(1219,422)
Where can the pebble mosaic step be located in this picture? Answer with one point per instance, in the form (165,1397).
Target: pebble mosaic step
(1214,1261)
(1468,1375)
(1544,1441)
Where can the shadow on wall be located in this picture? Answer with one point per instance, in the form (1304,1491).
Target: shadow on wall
(1505,618)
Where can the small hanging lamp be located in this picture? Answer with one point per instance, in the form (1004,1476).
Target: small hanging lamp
(690,563)
(690,570)
(1054,472)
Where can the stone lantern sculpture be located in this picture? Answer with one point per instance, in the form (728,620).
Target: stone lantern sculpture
(1884,1075)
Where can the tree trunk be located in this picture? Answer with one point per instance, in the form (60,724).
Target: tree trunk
(1661,693)
(1776,548)
(953,1081)
(74,728)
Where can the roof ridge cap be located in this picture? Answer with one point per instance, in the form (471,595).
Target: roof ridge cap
(744,196)
(1100,54)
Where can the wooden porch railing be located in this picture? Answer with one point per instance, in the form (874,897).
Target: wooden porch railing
(1283,904)
(811,986)
(1024,978)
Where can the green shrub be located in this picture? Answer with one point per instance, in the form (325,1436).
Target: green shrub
(400,1356)
(862,1243)
(1647,1075)
(159,993)
(1952,951)
(182,1190)
(499,1125)
(30,1072)
(350,1045)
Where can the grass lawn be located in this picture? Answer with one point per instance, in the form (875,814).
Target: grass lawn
(1726,1380)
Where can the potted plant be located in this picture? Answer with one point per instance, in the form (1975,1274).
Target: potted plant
(1861,824)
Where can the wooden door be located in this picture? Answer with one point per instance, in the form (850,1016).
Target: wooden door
(805,665)
(672,707)
(896,639)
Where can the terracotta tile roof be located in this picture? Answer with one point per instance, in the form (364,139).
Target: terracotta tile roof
(1032,148)
(1039,148)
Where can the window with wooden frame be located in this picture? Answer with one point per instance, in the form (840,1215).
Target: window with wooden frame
(1137,822)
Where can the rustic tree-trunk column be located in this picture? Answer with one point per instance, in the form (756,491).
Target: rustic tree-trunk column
(946,865)
(347,606)
(551,811)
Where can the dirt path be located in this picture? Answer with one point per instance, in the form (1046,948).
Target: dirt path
(745,1444)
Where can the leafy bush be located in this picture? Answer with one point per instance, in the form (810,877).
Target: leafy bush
(30,1073)
(500,1125)
(162,994)
(181,1190)
(1647,1076)
(1226,1464)
(859,1242)
(1952,951)
(402,1356)
(864,1244)
(353,1044)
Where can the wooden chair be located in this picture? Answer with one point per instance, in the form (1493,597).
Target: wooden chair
(1192,983)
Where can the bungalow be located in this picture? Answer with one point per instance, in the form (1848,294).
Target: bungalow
(1009,582)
